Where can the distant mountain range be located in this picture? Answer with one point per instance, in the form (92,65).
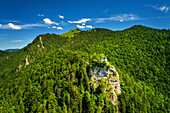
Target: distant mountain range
(10,50)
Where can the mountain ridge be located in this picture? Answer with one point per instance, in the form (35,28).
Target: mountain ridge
(59,66)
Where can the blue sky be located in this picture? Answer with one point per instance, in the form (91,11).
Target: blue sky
(22,20)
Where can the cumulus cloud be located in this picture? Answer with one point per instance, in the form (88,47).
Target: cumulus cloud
(61,16)
(60,28)
(0,25)
(48,21)
(121,18)
(54,27)
(82,27)
(89,26)
(83,24)
(80,21)
(11,25)
(40,15)
(162,8)
(17,41)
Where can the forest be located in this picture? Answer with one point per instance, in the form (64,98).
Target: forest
(56,79)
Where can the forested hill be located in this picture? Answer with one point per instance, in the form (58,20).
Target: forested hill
(51,73)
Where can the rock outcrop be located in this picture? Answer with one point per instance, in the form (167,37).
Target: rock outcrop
(19,67)
(27,62)
(40,38)
(111,78)
(40,44)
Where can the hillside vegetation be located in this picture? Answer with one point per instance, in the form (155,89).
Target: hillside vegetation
(56,79)
(70,33)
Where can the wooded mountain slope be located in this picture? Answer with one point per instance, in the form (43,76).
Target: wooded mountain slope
(56,79)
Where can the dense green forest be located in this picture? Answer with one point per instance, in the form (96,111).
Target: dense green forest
(56,79)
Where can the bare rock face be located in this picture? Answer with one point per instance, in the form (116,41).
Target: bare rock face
(27,62)
(40,38)
(38,45)
(20,66)
(111,78)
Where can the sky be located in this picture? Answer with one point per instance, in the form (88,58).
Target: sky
(21,21)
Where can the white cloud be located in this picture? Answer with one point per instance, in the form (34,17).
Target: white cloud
(89,26)
(40,15)
(17,41)
(0,25)
(54,27)
(121,18)
(60,28)
(48,21)
(82,27)
(14,26)
(80,21)
(83,24)
(61,16)
(163,8)
(4,26)
(25,26)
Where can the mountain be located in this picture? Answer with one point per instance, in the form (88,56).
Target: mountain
(11,50)
(71,33)
(51,74)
